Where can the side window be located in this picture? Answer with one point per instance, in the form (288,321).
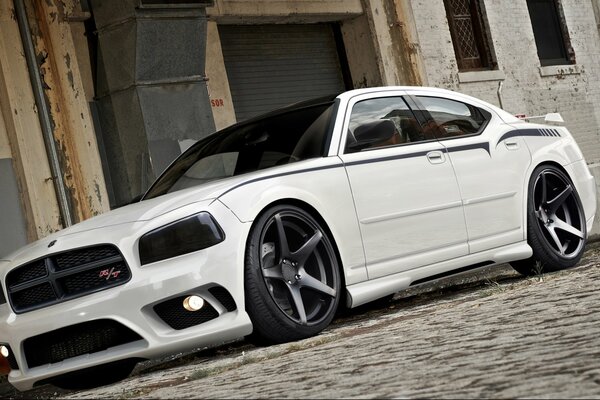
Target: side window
(450,118)
(382,122)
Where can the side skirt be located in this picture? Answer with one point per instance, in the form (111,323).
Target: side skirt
(364,292)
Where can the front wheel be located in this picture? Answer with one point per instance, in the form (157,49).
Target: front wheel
(556,229)
(292,276)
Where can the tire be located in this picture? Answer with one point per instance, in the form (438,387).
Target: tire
(95,376)
(292,276)
(556,229)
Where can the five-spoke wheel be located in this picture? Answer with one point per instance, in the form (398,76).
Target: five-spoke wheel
(556,222)
(292,275)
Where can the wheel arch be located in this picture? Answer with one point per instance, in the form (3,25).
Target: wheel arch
(528,182)
(310,209)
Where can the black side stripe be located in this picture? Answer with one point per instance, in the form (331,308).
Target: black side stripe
(483,145)
(529,132)
(262,178)
(389,158)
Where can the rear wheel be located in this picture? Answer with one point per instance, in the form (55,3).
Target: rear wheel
(556,229)
(292,276)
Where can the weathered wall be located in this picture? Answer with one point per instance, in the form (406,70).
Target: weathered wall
(17,105)
(64,90)
(283,11)
(218,84)
(5,151)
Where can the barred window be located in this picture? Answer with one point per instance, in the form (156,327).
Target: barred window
(550,31)
(470,36)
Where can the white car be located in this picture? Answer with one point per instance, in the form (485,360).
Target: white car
(268,226)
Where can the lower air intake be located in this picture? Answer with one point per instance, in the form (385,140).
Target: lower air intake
(75,340)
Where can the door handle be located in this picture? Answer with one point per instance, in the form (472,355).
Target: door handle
(435,157)
(511,145)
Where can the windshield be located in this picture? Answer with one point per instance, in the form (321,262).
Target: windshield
(276,139)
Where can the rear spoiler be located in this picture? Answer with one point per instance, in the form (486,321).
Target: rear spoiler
(550,118)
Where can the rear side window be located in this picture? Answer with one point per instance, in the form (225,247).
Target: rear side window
(451,118)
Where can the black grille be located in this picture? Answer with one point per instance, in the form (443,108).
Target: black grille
(223,296)
(35,295)
(177,317)
(63,276)
(90,279)
(84,256)
(34,270)
(75,340)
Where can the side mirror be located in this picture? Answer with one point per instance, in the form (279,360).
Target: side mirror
(555,118)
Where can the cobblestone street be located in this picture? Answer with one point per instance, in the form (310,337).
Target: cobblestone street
(490,334)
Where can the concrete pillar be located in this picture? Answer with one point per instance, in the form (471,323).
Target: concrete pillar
(394,32)
(218,84)
(151,90)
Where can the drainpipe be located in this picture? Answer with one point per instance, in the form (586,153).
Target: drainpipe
(499,93)
(43,113)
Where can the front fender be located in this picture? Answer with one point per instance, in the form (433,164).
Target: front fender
(324,188)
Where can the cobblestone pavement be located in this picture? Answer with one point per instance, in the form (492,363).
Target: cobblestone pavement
(489,334)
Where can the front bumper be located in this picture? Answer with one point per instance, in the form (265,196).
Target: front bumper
(131,304)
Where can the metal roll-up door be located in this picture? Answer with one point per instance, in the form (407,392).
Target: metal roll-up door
(270,66)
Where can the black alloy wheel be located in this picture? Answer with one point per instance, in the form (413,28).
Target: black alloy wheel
(556,223)
(292,276)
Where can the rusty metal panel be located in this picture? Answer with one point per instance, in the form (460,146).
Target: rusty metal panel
(270,66)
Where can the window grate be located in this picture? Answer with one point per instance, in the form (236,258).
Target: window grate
(469,34)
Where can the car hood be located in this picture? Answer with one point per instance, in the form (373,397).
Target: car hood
(141,211)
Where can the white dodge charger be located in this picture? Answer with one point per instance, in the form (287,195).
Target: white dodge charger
(267,227)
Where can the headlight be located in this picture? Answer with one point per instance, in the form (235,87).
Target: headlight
(190,234)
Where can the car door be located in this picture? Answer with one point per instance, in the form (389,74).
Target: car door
(404,188)
(490,174)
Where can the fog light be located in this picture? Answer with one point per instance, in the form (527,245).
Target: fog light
(4,351)
(193,303)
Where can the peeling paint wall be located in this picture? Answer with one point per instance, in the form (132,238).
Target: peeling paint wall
(73,128)
(74,135)
(17,104)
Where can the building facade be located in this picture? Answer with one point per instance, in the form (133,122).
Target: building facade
(97,96)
